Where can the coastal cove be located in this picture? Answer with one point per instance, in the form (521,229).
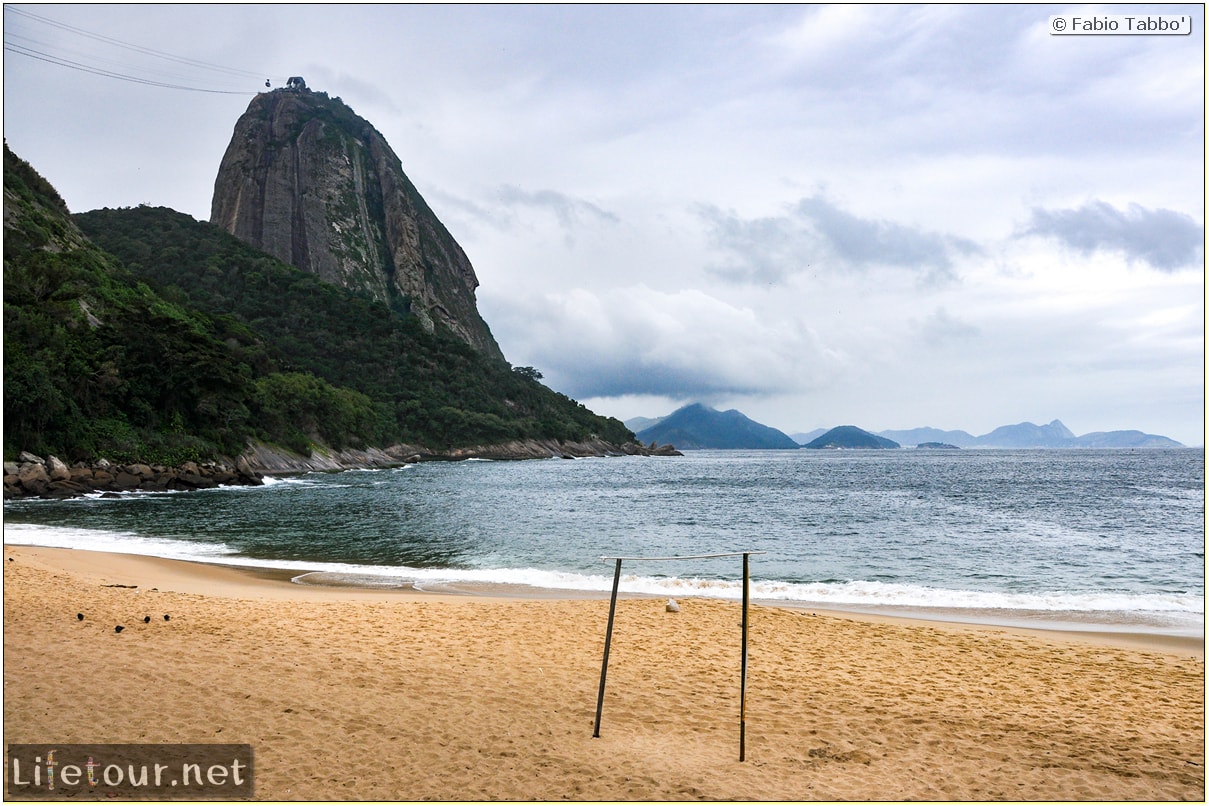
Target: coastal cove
(926,625)
(1097,541)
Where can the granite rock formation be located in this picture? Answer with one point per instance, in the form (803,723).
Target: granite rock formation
(307,180)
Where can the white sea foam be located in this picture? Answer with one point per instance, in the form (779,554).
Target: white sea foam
(26,534)
(1185,607)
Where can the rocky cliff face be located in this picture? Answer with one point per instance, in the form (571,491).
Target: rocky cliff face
(311,183)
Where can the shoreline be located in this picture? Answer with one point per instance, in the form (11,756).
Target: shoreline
(32,476)
(232,580)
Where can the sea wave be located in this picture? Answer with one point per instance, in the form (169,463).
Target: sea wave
(29,534)
(836,593)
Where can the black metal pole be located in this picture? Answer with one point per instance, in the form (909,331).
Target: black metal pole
(743,672)
(604,664)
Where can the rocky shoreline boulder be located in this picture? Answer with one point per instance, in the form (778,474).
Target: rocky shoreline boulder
(273,460)
(34,477)
(552,448)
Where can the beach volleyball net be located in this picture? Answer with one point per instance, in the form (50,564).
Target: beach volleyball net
(604,664)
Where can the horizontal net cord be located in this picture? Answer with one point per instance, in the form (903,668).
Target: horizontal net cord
(690,556)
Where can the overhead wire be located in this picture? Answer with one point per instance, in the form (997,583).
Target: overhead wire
(109,74)
(137,48)
(89,58)
(90,62)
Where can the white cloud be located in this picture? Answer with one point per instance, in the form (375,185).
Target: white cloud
(941,328)
(686,344)
(825,32)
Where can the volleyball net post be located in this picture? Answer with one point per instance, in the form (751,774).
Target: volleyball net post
(743,669)
(604,664)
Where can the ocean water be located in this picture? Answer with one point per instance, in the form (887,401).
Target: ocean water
(1097,539)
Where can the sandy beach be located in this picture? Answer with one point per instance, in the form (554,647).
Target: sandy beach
(362,695)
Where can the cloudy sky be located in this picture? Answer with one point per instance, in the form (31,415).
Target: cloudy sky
(819,215)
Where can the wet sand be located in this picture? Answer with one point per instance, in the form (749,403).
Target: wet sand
(367,694)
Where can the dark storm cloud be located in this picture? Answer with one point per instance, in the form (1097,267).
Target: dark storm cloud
(1165,239)
(640,341)
(610,376)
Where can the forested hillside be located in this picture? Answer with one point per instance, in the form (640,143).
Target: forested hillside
(151,336)
(95,362)
(426,389)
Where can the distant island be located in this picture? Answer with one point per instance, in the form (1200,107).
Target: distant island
(848,437)
(697,426)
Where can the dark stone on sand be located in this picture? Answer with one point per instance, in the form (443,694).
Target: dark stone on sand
(79,616)
(146,619)
(118,628)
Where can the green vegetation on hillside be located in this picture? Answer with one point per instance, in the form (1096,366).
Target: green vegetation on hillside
(422,388)
(180,342)
(94,361)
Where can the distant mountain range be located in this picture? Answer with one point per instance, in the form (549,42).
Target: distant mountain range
(698,426)
(1028,435)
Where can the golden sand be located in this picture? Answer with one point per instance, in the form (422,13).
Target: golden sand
(374,695)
